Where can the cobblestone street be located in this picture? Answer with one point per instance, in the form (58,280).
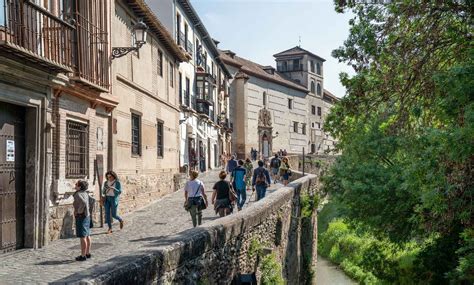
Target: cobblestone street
(55,263)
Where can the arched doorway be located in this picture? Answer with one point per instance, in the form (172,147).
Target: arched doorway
(265,145)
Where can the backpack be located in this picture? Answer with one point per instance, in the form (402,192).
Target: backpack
(275,163)
(260,179)
(92,202)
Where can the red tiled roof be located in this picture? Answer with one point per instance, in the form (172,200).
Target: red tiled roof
(330,95)
(257,70)
(297,51)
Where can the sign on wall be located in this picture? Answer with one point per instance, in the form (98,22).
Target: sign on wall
(10,150)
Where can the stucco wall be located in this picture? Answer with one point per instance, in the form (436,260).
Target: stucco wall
(218,251)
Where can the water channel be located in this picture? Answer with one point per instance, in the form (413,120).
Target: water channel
(328,274)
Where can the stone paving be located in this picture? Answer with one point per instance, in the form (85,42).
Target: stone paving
(55,263)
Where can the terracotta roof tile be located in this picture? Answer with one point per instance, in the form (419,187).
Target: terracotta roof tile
(257,70)
(297,51)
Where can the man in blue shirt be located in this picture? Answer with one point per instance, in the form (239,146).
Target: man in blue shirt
(261,180)
(238,181)
(231,165)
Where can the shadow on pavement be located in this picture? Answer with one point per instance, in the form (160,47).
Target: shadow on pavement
(55,262)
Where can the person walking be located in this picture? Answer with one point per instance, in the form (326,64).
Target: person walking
(231,164)
(248,173)
(111,197)
(275,167)
(195,198)
(83,219)
(285,170)
(261,180)
(238,181)
(223,196)
(223,159)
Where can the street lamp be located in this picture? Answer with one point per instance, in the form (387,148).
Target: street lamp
(275,136)
(139,36)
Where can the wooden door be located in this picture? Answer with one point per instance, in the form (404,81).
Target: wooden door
(12,177)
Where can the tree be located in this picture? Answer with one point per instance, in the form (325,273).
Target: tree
(405,127)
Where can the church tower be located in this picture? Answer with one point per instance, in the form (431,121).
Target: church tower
(303,67)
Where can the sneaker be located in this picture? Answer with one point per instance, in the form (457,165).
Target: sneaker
(109,231)
(121,224)
(81,258)
(88,255)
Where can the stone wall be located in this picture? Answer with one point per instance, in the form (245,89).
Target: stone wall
(220,250)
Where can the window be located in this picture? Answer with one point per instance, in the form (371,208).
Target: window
(312,65)
(159,139)
(312,125)
(313,110)
(313,87)
(319,126)
(171,74)
(180,83)
(285,66)
(318,68)
(295,127)
(304,129)
(136,135)
(290,103)
(186,36)
(77,150)
(178,28)
(187,98)
(319,111)
(296,64)
(160,63)
(319,89)
(264,98)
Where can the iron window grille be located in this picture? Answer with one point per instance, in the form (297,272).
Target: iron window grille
(319,111)
(77,150)
(136,135)
(160,140)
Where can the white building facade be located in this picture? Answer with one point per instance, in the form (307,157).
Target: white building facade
(205,128)
(281,109)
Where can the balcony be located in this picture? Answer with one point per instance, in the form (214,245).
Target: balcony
(92,44)
(36,35)
(42,38)
(180,39)
(206,76)
(189,47)
(204,108)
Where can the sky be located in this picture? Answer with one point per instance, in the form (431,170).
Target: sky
(258,29)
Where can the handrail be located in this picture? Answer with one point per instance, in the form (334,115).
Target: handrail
(49,14)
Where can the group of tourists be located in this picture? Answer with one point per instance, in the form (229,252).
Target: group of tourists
(228,194)
(84,206)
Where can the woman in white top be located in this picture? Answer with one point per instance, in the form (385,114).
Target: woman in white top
(195,197)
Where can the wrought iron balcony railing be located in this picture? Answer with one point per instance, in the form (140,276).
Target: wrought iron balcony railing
(38,34)
(77,46)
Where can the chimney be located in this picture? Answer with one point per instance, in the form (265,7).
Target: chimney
(229,53)
(269,69)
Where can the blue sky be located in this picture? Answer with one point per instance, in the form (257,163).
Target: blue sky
(258,29)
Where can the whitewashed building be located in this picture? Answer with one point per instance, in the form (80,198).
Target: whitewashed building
(205,128)
(282,109)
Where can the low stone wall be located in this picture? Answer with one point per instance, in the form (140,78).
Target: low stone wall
(220,250)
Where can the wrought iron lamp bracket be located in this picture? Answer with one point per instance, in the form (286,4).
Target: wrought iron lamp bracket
(121,51)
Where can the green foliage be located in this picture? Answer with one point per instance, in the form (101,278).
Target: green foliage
(405,129)
(366,258)
(269,266)
(309,204)
(271,271)
(255,248)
